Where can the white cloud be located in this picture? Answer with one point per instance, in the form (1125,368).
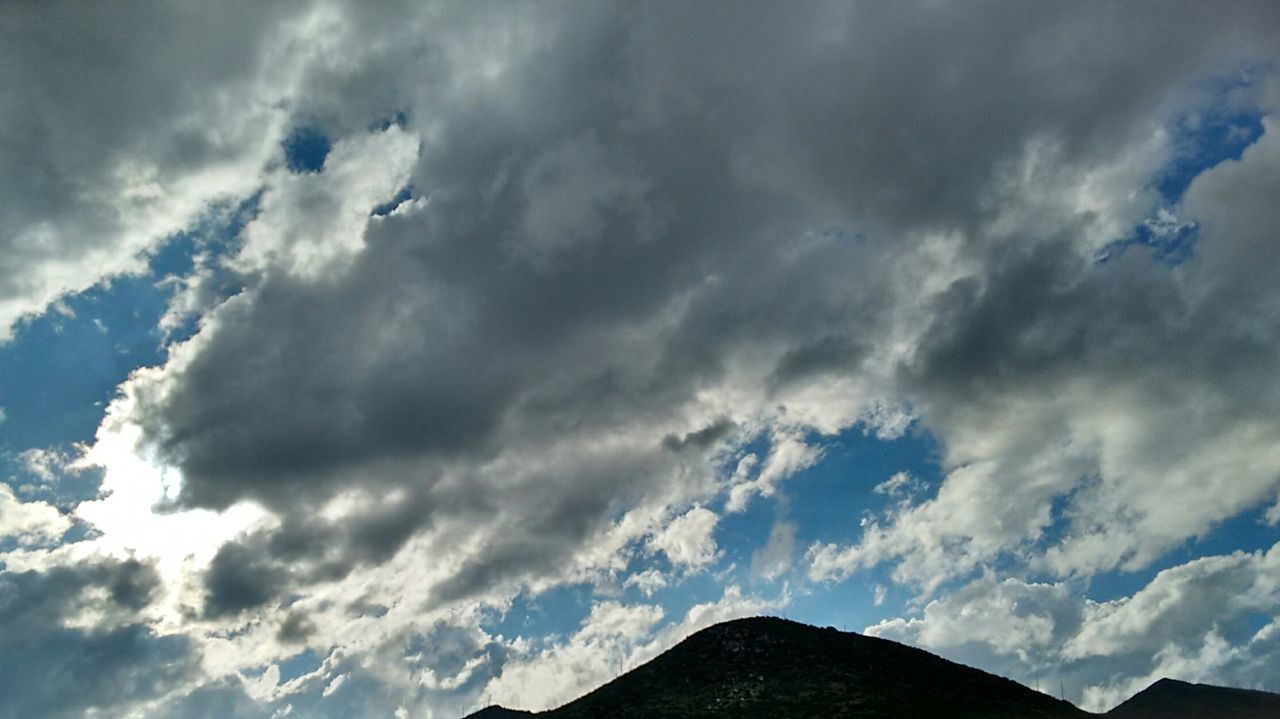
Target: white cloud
(689,540)
(1184,601)
(788,454)
(47,465)
(901,484)
(648,581)
(30,523)
(1011,617)
(613,639)
(312,224)
(604,647)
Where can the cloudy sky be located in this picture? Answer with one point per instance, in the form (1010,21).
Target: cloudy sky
(392,359)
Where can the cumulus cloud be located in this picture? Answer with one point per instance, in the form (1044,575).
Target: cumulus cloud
(1023,623)
(648,581)
(689,541)
(30,522)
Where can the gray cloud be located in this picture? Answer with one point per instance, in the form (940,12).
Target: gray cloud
(465,355)
(213,700)
(112,140)
(295,628)
(237,580)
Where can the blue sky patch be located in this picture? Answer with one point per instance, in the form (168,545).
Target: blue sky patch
(306,149)
(1216,132)
(401,197)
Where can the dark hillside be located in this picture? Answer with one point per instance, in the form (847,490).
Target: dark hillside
(770,668)
(1171,699)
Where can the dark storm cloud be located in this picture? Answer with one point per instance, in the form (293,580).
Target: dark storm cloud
(52,667)
(237,580)
(630,216)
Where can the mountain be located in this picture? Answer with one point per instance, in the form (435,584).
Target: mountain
(765,667)
(1171,699)
(497,712)
(769,667)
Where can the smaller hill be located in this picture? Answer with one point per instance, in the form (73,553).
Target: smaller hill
(1170,698)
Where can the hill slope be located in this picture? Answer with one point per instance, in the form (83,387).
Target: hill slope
(1170,699)
(769,667)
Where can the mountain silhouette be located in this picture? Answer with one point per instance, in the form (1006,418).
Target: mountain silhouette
(497,712)
(1172,699)
(766,667)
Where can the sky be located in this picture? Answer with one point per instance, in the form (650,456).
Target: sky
(398,358)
